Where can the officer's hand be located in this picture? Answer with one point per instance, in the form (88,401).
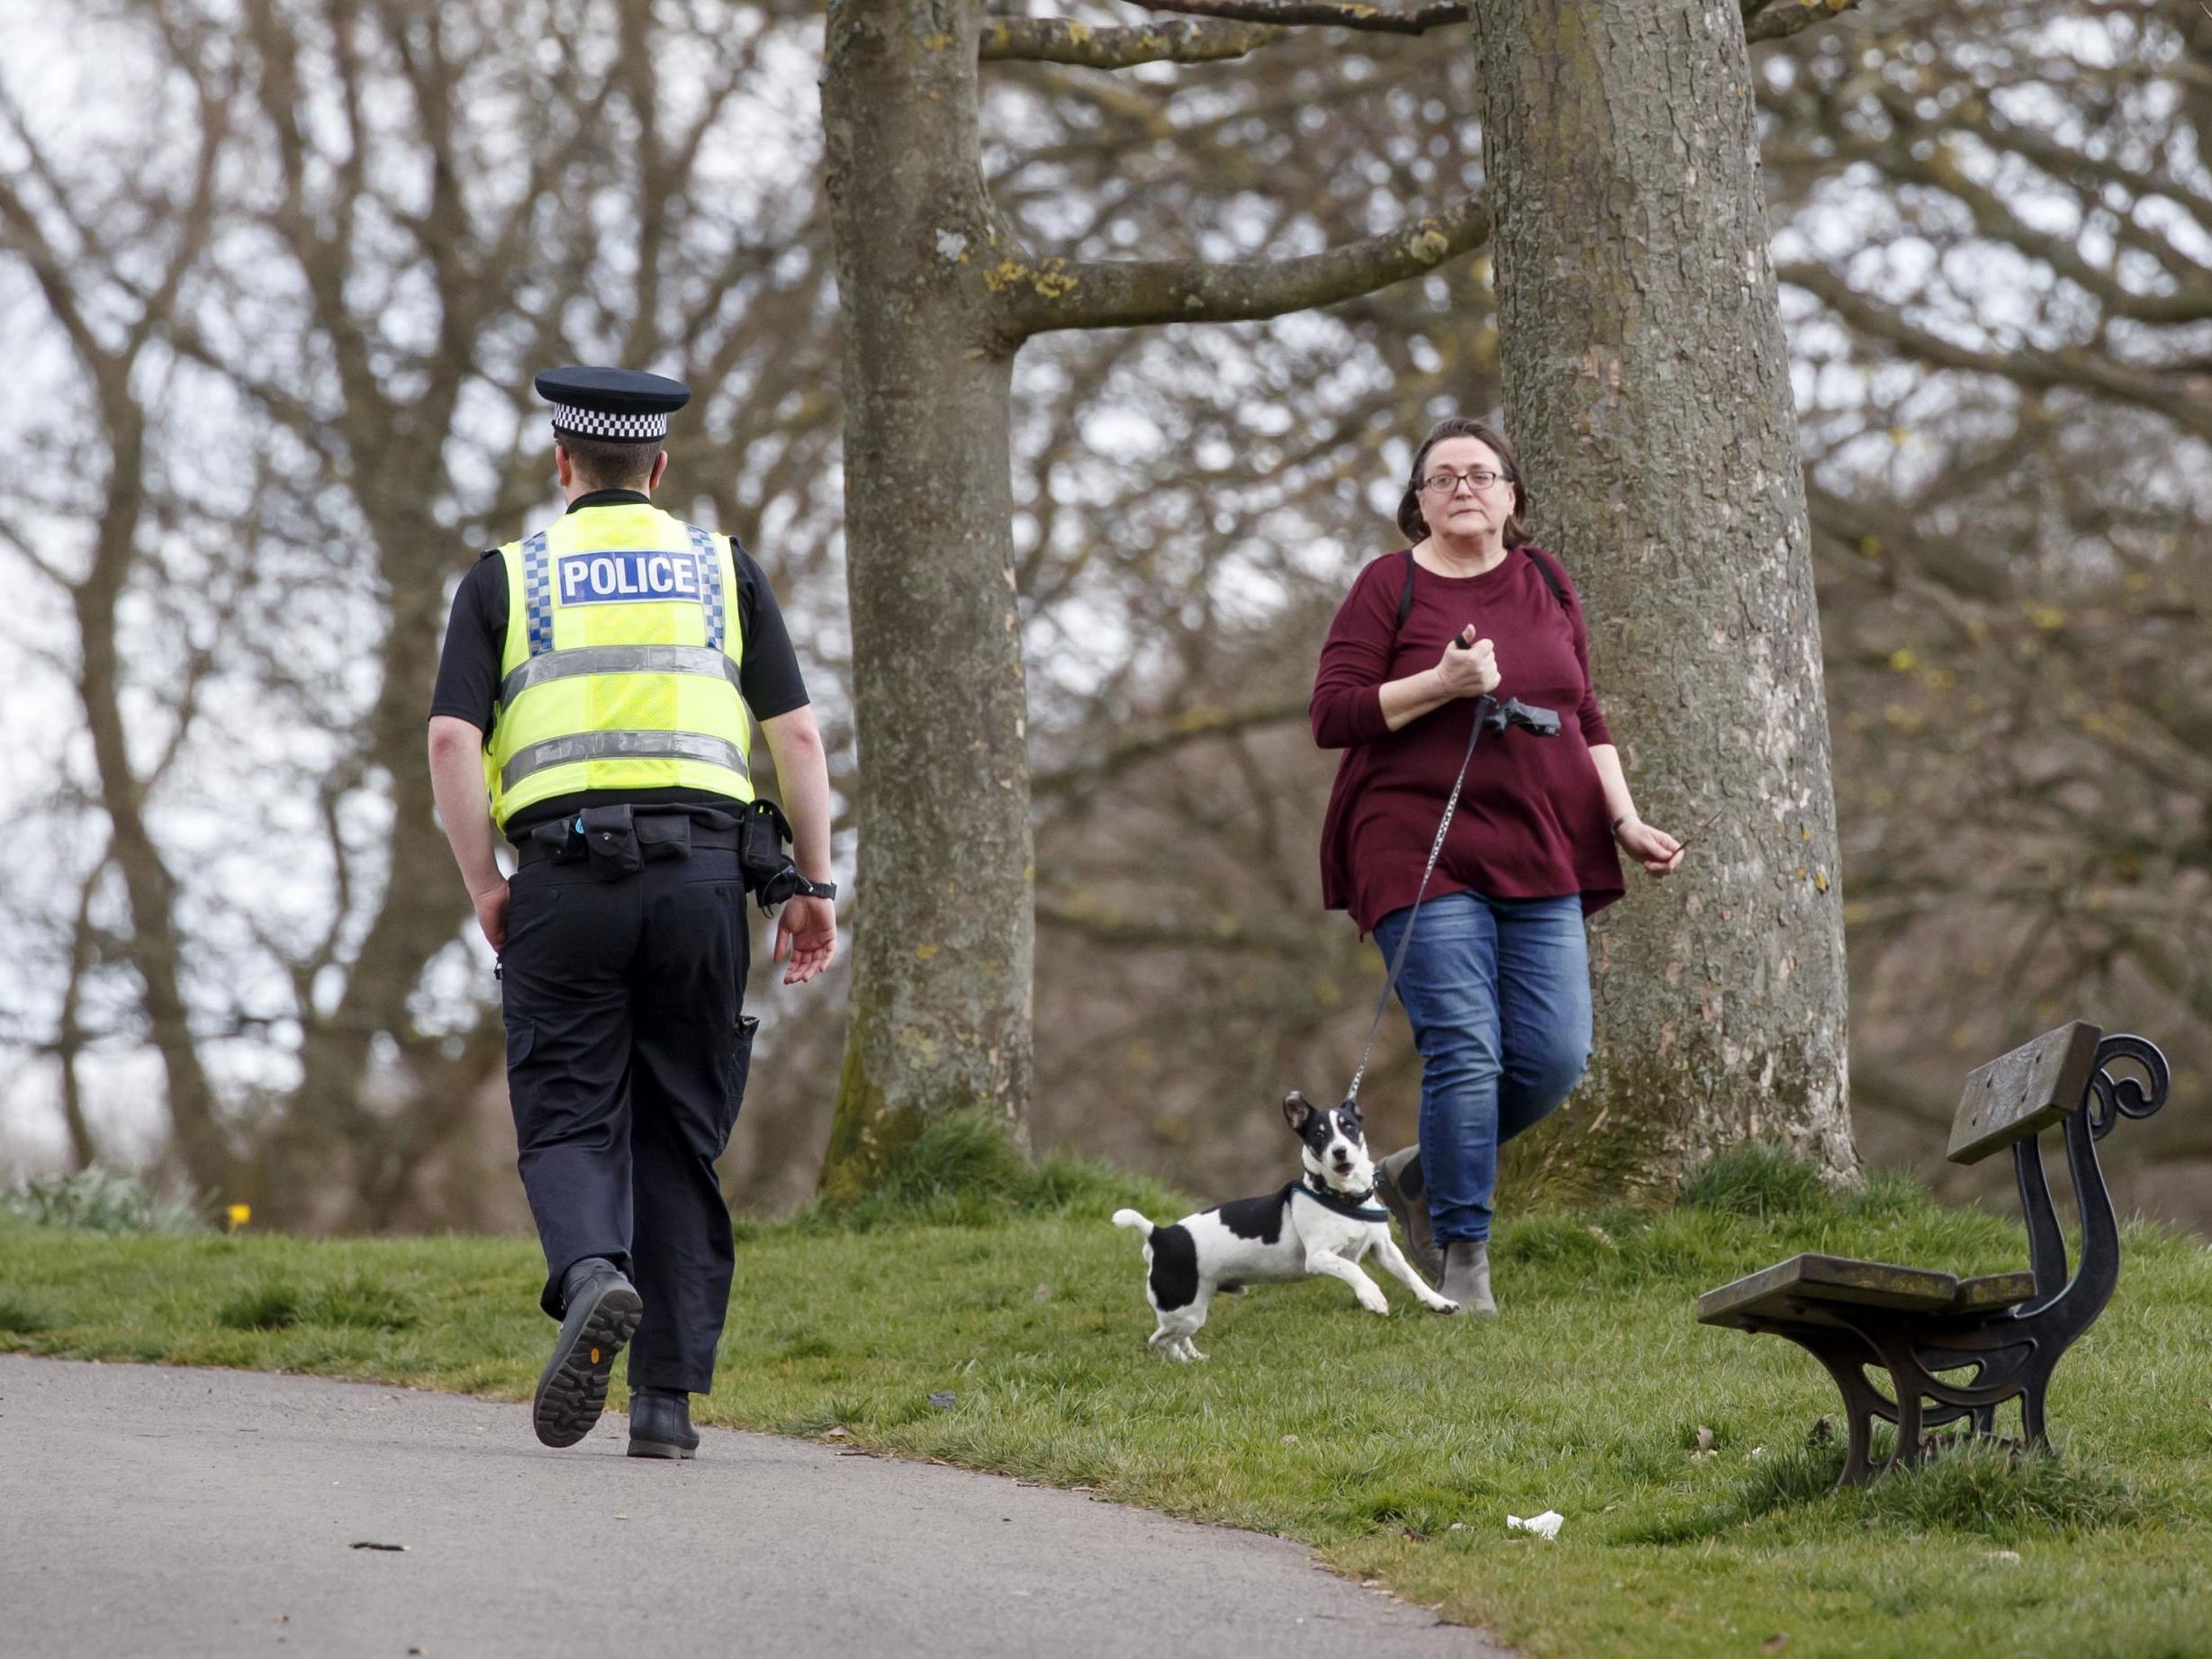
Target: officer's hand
(807,932)
(492,914)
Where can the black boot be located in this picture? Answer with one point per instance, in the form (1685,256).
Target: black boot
(603,1311)
(661,1423)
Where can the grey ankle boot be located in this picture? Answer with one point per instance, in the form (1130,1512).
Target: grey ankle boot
(1398,1184)
(1467,1275)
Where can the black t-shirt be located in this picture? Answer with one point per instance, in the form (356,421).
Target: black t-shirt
(468,671)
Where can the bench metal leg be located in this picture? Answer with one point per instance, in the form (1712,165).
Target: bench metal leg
(1844,1359)
(1907,1451)
(2032,1430)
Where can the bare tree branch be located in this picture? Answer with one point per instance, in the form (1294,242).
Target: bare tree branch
(32,557)
(1178,927)
(1764,19)
(1039,298)
(49,266)
(1058,39)
(1775,19)
(2088,370)
(69,1038)
(1998,220)
(1190,726)
(1327,14)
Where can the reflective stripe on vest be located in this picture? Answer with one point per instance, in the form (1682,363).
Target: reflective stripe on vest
(608,745)
(616,660)
(619,671)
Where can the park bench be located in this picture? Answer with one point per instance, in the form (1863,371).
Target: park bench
(1965,1346)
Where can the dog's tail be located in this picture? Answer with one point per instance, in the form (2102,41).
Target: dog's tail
(1130,1218)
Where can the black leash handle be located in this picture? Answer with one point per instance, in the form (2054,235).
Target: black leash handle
(1483,706)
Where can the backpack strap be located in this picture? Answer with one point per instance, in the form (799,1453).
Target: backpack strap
(1548,572)
(1544,568)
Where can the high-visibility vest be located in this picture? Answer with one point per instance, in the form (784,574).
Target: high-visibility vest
(620,666)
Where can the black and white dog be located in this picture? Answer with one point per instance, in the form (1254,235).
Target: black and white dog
(1324,1223)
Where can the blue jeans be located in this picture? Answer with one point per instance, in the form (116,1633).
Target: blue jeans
(1498,992)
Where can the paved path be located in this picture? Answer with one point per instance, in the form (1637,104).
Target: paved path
(145,1510)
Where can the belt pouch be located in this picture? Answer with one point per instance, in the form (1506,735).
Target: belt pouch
(563,845)
(760,849)
(610,837)
(664,836)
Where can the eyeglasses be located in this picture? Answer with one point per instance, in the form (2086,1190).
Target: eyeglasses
(1449,483)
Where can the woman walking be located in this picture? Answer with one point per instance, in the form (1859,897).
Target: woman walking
(1496,981)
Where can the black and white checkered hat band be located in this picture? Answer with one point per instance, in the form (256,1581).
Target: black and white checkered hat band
(598,423)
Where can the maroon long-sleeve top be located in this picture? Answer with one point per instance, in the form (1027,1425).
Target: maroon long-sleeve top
(1531,821)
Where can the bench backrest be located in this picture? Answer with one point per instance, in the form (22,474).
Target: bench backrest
(2025,1092)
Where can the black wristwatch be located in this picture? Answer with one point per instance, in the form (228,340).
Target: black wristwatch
(787,883)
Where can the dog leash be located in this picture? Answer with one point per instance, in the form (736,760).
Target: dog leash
(1482,707)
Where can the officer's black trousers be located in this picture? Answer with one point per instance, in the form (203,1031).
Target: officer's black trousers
(626,1067)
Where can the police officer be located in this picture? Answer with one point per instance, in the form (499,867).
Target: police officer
(592,703)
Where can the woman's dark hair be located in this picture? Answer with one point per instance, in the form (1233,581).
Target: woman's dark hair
(1415,526)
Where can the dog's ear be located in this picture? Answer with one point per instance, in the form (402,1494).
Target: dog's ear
(1349,1113)
(1297,1110)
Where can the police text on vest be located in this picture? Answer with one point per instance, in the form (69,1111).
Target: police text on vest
(615,578)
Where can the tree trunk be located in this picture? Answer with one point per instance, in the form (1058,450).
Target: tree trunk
(1646,386)
(329,1126)
(200,1144)
(940,1005)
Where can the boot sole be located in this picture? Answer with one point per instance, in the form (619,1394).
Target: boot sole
(572,1391)
(661,1448)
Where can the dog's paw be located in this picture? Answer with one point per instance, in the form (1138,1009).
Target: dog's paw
(1441,1305)
(1375,1304)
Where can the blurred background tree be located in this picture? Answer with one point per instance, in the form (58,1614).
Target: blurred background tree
(271,287)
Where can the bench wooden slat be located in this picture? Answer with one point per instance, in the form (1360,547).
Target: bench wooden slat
(1796,1290)
(1788,1288)
(1993,1291)
(2025,1092)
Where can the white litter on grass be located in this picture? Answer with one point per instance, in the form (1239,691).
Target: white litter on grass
(1545,1526)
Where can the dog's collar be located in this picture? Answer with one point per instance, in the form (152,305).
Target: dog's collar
(1358,1209)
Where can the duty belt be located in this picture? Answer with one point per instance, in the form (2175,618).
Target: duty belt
(619,840)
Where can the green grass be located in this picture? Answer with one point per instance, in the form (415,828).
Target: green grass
(1396,1447)
(962,1171)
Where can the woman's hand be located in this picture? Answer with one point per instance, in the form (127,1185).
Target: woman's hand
(1468,667)
(1658,851)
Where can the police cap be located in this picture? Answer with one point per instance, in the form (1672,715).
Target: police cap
(620,406)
